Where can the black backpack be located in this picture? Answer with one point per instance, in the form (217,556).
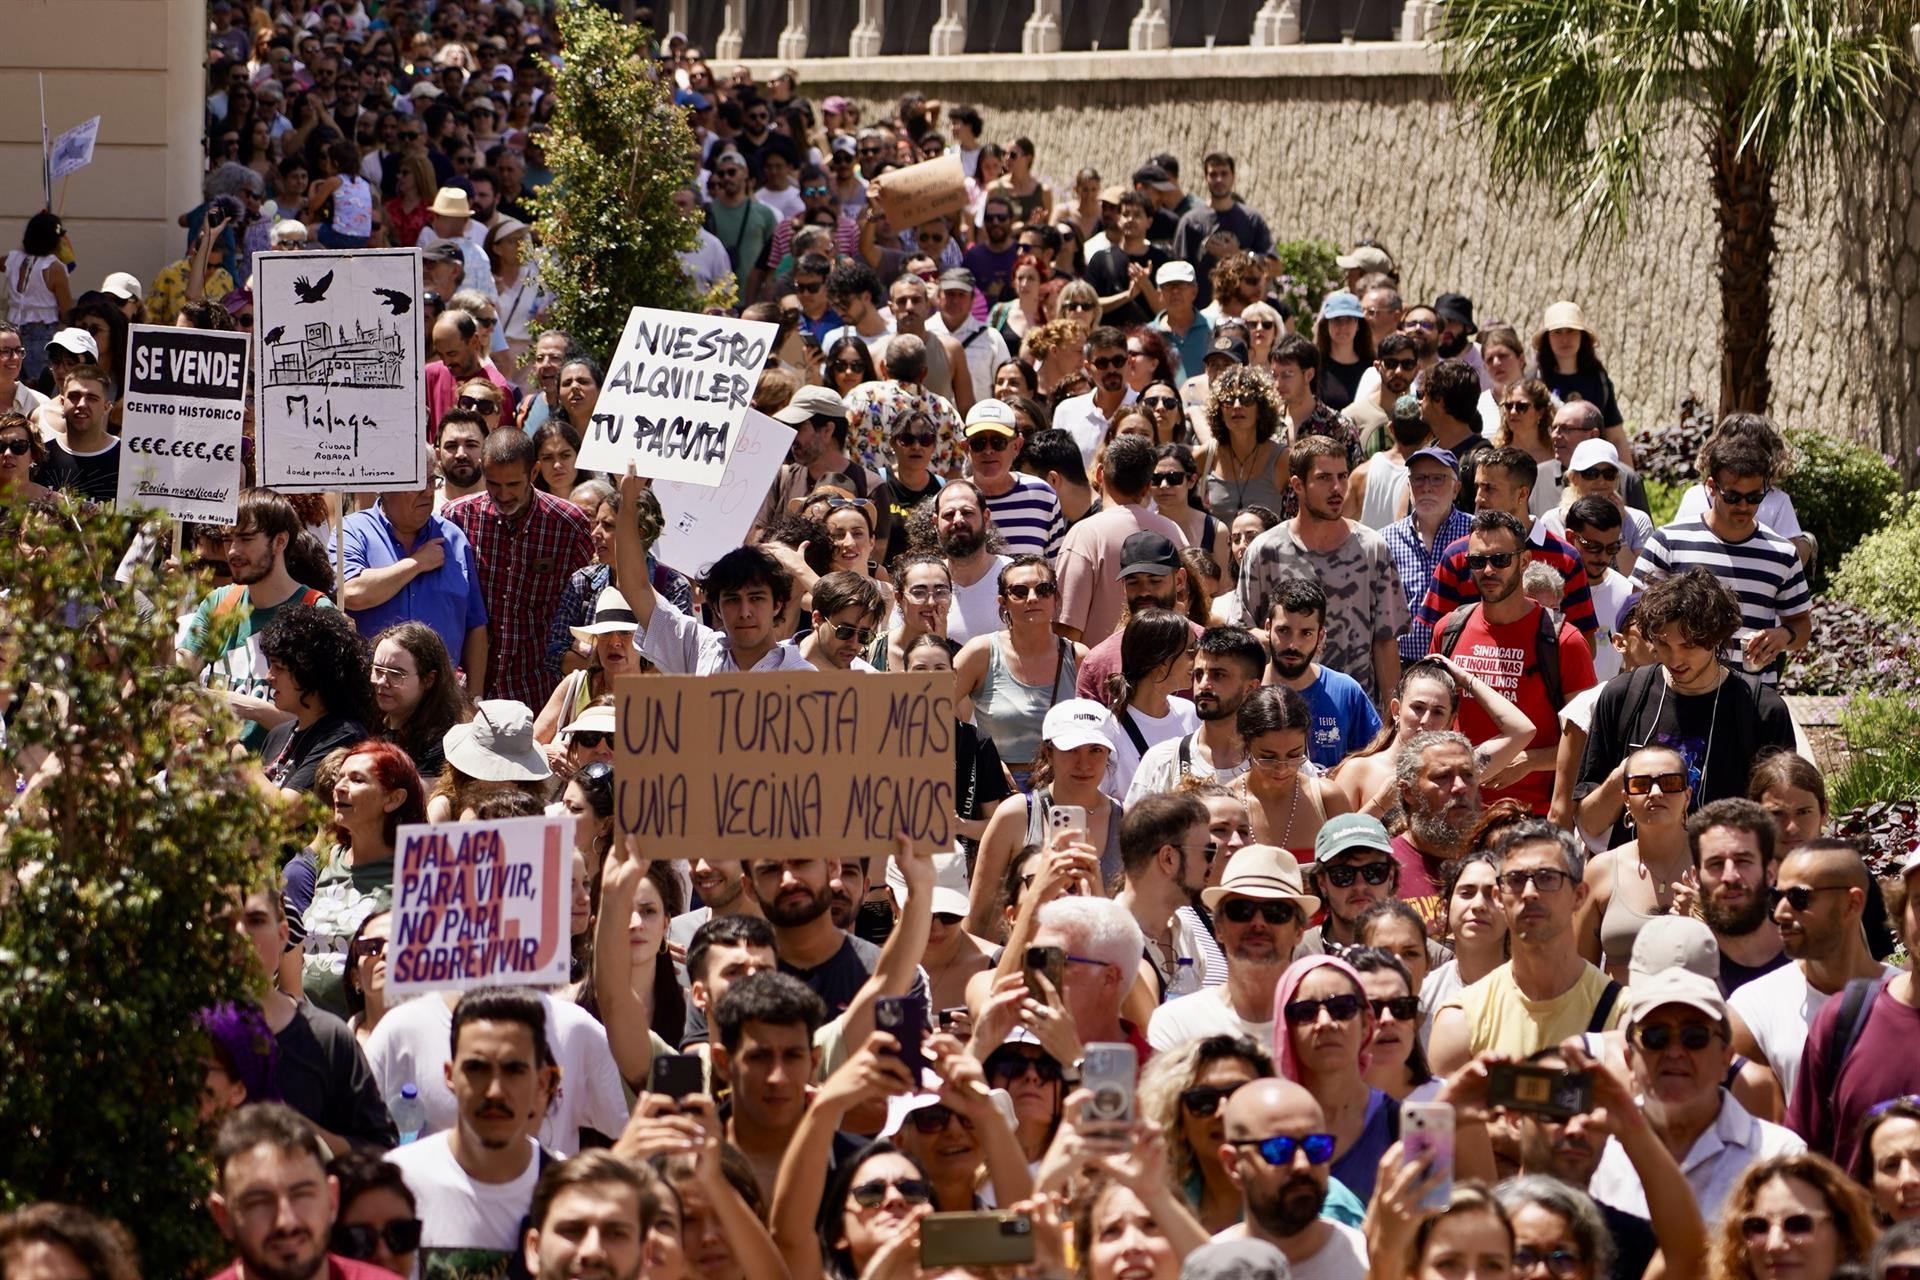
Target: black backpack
(1546,648)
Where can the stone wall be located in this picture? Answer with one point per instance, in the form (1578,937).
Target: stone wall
(1363,141)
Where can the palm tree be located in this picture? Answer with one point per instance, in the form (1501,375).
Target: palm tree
(1576,94)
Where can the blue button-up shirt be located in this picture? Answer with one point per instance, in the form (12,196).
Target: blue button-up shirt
(1415,561)
(448,599)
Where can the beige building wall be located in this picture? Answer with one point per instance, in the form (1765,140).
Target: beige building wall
(140,66)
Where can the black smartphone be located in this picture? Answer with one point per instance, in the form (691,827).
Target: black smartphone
(905,1019)
(1051,961)
(677,1075)
(987,1238)
(948,1015)
(1553,1092)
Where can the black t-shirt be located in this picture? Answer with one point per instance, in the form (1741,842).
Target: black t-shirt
(898,502)
(325,1077)
(94,476)
(1107,272)
(1463,453)
(980,780)
(1338,381)
(838,979)
(1734,975)
(1633,1242)
(293,757)
(1189,242)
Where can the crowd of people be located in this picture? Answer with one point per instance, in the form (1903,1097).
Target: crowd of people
(1342,748)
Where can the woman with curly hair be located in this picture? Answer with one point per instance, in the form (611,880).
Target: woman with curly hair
(1184,1091)
(1249,463)
(1794,1215)
(317,669)
(1148,360)
(1056,351)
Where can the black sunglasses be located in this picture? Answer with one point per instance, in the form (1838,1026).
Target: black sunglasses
(1169,479)
(1038,590)
(1299,1013)
(1403,1008)
(360,1242)
(591,739)
(1274,911)
(1752,498)
(1107,362)
(1800,896)
(931,1120)
(870,1195)
(1694,1036)
(1205,1099)
(479,404)
(1400,366)
(1158,403)
(16,447)
(925,439)
(1013,1065)
(1497,559)
(1375,873)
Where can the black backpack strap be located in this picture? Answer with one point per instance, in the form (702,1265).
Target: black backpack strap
(1604,1009)
(1856,1006)
(969,339)
(1184,753)
(1137,738)
(1546,657)
(1455,623)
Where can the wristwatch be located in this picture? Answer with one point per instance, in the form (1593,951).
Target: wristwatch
(1070,1071)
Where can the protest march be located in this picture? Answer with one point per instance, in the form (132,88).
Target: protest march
(994,721)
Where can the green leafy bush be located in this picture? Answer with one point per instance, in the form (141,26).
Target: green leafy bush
(1308,273)
(117,873)
(1883,753)
(618,147)
(1841,492)
(1666,451)
(1851,652)
(1663,500)
(1882,573)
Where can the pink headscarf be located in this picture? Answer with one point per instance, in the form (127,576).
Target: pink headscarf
(1283,994)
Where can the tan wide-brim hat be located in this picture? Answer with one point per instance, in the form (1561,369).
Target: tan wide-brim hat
(1565,315)
(1262,871)
(451,202)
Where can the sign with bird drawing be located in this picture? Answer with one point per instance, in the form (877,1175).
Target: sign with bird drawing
(340,364)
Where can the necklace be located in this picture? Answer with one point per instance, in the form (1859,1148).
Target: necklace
(1696,775)
(1245,783)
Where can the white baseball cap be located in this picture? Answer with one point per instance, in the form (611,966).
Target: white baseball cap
(1077,722)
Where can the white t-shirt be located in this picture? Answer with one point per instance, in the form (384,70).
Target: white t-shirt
(1159,770)
(1778,1008)
(1180,719)
(975,610)
(1776,510)
(1204,1013)
(413,1044)
(787,204)
(466,1227)
(1342,1257)
(1609,596)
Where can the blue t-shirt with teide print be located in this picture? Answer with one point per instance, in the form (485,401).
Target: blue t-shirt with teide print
(1343,717)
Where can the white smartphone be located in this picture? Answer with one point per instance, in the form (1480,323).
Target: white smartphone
(1109,1072)
(1426,1129)
(1066,817)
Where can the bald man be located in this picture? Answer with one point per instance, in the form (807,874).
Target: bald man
(1278,1152)
(1819,897)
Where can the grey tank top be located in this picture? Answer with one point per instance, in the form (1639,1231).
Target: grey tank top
(1038,805)
(1010,711)
(1386,481)
(1227,498)
(1619,925)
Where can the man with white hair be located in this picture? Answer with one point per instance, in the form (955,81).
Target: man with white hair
(1104,947)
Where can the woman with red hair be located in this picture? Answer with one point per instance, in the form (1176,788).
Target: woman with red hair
(377,792)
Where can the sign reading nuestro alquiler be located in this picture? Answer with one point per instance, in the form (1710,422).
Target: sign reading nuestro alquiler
(676,391)
(791,764)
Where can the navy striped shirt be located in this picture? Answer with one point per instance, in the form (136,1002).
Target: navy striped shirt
(1028,517)
(1763,572)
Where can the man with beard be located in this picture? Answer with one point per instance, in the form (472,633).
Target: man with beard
(457,456)
(744,226)
(1165,853)
(1277,1151)
(223,639)
(1343,718)
(1547,991)
(1353,868)
(1377,490)
(961,523)
(818,456)
(591,1217)
(1228,663)
(1025,510)
(274,1200)
(817,316)
(1420,326)
(1455,314)
(1158,580)
(1818,899)
(1221,228)
(990,258)
(550,352)
(1260,908)
(1087,417)
(1437,779)
(722,886)
(1733,845)
(473,1183)
(1419,539)
(796,896)
(459,348)
(1371,412)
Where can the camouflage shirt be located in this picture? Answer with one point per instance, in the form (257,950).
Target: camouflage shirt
(1365,602)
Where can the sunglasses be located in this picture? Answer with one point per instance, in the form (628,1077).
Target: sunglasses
(479,404)
(800,286)
(1694,1036)
(1161,404)
(1800,896)
(1077,306)
(814,192)
(870,1195)
(1400,366)
(1545,879)
(1497,559)
(1592,548)
(591,739)
(1274,911)
(1299,1013)
(934,1119)
(361,1241)
(1169,479)
(1752,498)
(1108,363)
(1375,873)
(1517,406)
(1561,1263)
(1600,473)
(1239,401)
(16,447)
(997,217)
(1278,1150)
(1261,324)
(1206,1099)
(847,631)
(845,366)
(1640,784)
(1799,1225)
(1038,590)
(1011,1066)
(925,439)
(1400,1008)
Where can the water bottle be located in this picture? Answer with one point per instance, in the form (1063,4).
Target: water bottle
(1186,979)
(409,1113)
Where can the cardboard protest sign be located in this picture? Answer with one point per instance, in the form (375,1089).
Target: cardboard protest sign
(73,150)
(183,411)
(479,904)
(789,764)
(340,367)
(677,389)
(924,191)
(703,524)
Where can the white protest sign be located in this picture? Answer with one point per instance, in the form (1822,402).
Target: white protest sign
(73,150)
(479,904)
(183,411)
(677,389)
(702,524)
(340,371)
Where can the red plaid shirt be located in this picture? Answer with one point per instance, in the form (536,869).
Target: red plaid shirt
(524,567)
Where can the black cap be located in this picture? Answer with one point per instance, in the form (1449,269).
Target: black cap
(1457,307)
(1152,175)
(1229,346)
(1146,552)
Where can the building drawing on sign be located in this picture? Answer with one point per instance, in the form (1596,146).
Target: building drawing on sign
(329,355)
